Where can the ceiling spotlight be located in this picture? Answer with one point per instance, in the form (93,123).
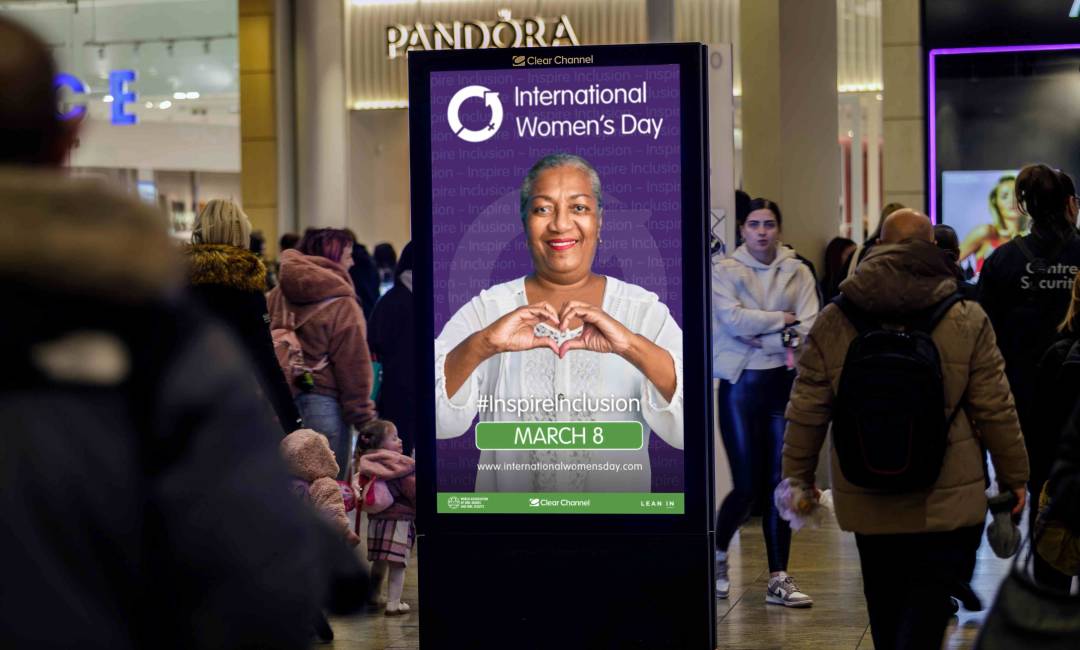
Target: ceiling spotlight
(149,104)
(108,99)
(179,95)
(165,104)
(192,95)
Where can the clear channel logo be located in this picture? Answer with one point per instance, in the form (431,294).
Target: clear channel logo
(493,103)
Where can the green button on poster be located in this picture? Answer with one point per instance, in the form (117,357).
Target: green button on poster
(526,436)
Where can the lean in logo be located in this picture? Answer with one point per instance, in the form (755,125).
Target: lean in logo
(493,103)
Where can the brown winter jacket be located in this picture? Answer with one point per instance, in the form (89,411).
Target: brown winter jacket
(899,279)
(337,331)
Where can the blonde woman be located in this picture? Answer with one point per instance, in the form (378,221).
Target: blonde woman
(229,280)
(1008,223)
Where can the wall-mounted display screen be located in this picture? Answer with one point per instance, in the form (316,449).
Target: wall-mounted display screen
(992,111)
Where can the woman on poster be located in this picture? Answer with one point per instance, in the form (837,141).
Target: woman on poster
(1008,223)
(562,333)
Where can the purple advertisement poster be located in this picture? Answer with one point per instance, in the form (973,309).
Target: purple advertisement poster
(557,218)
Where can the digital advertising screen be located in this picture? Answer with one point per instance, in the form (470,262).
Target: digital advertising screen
(993,110)
(557,264)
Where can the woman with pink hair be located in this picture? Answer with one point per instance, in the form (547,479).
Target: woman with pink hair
(315,297)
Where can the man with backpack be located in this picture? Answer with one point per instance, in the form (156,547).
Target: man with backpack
(906,372)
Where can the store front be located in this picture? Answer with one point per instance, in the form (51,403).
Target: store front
(156,87)
(380,33)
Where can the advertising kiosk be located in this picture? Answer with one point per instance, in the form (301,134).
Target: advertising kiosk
(559,215)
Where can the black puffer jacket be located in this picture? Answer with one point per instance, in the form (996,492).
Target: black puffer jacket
(142,497)
(229,282)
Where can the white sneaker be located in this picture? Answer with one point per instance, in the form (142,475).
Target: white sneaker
(723,584)
(782,590)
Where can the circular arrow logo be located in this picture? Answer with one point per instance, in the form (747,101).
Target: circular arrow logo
(491,100)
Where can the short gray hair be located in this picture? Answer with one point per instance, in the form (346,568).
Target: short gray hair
(553,161)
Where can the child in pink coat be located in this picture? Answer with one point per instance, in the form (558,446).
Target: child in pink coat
(392,532)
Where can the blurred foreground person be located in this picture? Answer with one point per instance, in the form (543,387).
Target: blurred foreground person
(142,497)
(906,464)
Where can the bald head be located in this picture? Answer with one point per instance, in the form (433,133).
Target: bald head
(906,224)
(31,132)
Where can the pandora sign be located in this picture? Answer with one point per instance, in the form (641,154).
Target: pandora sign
(507,31)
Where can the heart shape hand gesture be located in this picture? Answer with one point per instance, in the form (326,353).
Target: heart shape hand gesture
(599,331)
(538,326)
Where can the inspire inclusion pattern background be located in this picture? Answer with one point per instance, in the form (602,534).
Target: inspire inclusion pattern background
(478,238)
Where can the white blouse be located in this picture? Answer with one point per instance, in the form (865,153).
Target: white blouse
(541,374)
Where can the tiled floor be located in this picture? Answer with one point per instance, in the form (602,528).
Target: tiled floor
(825,562)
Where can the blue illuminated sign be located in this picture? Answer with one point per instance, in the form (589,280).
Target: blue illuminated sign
(118,81)
(72,83)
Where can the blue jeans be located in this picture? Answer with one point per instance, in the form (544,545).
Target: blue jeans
(323,414)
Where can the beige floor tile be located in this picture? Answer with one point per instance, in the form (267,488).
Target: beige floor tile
(825,562)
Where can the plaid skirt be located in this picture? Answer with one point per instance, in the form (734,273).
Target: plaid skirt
(390,539)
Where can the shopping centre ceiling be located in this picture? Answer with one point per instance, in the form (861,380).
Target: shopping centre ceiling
(183,52)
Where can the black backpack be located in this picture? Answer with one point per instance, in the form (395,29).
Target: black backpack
(889,425)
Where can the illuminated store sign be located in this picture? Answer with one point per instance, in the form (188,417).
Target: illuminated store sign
(119,93)
(479,35)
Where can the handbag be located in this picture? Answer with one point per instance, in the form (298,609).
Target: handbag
(373,495)
(1057,545)
(347,495)
(1026,615)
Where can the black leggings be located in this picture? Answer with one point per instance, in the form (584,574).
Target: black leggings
(752,426)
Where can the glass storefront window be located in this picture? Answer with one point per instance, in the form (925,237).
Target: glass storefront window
(157,84)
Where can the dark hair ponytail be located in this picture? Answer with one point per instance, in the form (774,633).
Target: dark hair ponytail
(1041,194)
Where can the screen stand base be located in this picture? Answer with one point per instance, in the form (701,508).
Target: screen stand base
(567,591)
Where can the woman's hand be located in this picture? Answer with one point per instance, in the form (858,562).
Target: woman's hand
(516,331)
(600,332)
(511,333)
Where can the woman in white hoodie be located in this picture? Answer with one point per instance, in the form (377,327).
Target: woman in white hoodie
(764,302)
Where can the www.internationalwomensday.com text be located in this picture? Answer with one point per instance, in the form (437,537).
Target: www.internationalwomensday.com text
(560,467)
